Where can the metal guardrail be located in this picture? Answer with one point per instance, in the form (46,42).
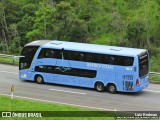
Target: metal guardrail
(15,57)
(6,56)
(154,73)
(12,57)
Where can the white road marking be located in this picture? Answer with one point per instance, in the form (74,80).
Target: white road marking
(9,72)
(68,91)
(84,106)
(152,91)
(72,91)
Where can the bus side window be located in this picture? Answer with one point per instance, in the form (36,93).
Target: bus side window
(66,54)
(104,59)
(93,58)
(89,57)
(120,60)
(111,60)
(74,55)
(81,57)
(42,53)
(96,58)
(52,53)
(128,61)
(49,53)
(45,53)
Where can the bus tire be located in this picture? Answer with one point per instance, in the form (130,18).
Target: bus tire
(99,86)
(112,88)
(39,79)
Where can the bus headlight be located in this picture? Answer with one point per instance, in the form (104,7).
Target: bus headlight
(23,75)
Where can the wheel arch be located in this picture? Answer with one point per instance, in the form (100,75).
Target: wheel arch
(38,75)
(111,84)
(98,82)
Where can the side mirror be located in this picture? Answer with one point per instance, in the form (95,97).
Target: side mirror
(16,57)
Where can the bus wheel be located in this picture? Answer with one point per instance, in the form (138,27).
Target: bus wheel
(99,86)
(39,79)
(112,88)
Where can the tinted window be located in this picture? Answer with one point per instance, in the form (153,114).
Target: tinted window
(92,57)
(86,57)
(28,52)
(143,64)
(49,53)
(75,56)
(67,71)
(81,56)
(66,55)
(128,61)
(89,57)
(120,60)
(104,59)
(111,60)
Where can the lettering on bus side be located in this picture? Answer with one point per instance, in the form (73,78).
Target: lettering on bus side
(96,65)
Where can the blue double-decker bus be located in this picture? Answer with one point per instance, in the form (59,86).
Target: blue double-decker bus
(86,65)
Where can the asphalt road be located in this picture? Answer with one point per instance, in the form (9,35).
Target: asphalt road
(146,100)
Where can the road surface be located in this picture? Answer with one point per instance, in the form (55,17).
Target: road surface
(146,100)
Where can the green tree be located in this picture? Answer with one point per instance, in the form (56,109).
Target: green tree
(27,21)
(42,26)
(67,24)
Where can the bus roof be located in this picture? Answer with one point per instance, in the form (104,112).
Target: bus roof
(85,47)
(38,43)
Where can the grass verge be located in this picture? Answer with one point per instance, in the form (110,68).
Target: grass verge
(21,105)
(154,79)
(64,111)
(8,60)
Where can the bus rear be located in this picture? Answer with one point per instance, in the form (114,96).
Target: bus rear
(142,80)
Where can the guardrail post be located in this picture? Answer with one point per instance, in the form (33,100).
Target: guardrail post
(12,58)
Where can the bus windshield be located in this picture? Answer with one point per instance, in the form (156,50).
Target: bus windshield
(143,64)
(28,52)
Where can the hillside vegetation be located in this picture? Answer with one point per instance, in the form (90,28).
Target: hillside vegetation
(129,23)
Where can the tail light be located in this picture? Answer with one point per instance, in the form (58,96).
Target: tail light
(137,82)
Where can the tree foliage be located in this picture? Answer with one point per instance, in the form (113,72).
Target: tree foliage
(113,22)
